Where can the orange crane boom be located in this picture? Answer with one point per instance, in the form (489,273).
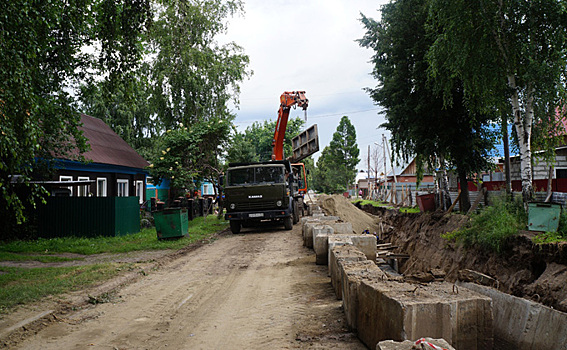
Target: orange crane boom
(287,100)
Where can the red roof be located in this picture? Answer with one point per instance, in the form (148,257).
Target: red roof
(107,147)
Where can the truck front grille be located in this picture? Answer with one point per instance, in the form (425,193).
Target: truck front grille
(253,205)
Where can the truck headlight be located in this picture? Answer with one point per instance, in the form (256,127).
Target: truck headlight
(232,205)
(279,203)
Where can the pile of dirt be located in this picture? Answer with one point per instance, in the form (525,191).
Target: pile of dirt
(523,269)
(338,205)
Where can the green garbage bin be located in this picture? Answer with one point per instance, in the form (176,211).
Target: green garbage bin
(171,223)
(543,216)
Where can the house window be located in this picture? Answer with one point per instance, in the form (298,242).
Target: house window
(205,189)
(67,178)
(140,191)
(561,173)
(101,187)
(122,188)
(83,191)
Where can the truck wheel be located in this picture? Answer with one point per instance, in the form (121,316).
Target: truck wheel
(235,226)
(295,213)
(288,223)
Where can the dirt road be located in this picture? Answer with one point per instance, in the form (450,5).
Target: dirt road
(257,290)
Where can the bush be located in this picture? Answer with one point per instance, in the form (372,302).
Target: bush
(493,225)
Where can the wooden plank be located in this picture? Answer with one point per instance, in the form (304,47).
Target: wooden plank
(454,203)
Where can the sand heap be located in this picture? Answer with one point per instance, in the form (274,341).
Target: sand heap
(340,206)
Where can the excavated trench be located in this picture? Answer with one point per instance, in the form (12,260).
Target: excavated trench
(525,282)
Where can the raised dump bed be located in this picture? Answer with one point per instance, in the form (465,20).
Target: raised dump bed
(402,311)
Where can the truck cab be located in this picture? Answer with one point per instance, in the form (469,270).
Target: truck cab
(259,192)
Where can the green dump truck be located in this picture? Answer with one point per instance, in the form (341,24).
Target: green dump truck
(261,191)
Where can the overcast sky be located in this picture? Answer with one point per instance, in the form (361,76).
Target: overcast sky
(309,45)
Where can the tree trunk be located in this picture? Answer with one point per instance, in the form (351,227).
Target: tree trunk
(465,196)
(524,131)
(506,154)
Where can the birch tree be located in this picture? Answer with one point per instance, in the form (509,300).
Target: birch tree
(505,52)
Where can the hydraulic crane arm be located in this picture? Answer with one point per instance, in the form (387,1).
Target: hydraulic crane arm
(287,100)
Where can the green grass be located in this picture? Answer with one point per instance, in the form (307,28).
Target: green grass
(385,205)
(554,237)
(490,228)
(6,256)
(24,285)
(20,285)
(199,228)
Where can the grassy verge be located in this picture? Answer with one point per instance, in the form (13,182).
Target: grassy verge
(385,205)
(146,239)
(21,285)
(490,228)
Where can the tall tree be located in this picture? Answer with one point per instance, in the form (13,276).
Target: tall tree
(39,58)
(193,77)
(423,124)
(336,167)
(504,52)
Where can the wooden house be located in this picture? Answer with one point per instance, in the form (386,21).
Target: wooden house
(113,168)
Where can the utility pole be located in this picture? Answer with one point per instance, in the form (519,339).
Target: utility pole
(368,176)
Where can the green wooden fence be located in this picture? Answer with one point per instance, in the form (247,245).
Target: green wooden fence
(88,216)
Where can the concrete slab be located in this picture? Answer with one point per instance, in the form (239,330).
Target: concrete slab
(337,255)
(323,244)
(367,244)
(351,273)
(521,324)
(403,311)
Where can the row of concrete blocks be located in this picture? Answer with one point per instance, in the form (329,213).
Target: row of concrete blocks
(321,232)
(380,309)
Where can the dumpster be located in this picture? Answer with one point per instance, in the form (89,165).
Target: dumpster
(426,202)
(171,223)
(543,216)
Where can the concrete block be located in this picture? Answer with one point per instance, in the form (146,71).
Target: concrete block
(521,324)
(321,246)
(341,227)
(351,274)
(334,241)
(404,311)
(367,244)
(307,231)
(408,344)
(338,255)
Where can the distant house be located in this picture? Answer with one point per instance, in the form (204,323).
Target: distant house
(114,169)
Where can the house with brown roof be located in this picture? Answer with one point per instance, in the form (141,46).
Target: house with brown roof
(113,168)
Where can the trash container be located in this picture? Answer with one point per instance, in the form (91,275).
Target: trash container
(543,216)
(171,223)
(426,202)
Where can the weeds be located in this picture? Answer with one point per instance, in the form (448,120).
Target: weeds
(554,237)
(493,225)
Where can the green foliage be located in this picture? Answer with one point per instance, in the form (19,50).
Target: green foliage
(336,167)
(422,124)
(193,78)
(191,153)
(39,57)
(554,237)
(508,56)
(255,143)
(490,228)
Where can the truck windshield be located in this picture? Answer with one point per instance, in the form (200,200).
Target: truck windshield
(256,176)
